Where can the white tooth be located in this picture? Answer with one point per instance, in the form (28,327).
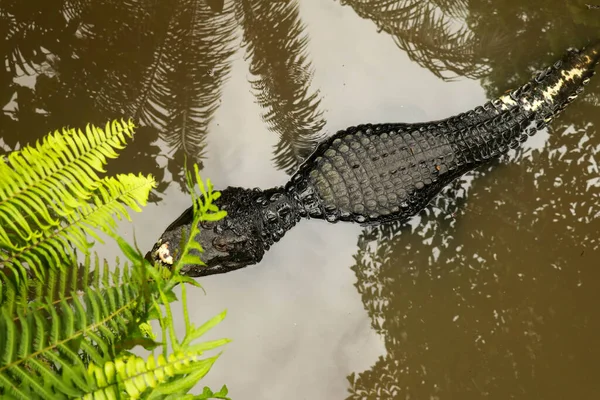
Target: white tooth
(163,254)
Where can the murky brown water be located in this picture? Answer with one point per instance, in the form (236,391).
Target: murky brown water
(493,291)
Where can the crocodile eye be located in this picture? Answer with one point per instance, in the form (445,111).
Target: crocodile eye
(220,244)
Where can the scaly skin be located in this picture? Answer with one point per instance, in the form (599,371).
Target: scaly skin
(372,174)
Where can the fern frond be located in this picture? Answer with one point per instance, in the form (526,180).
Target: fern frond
(209,394)
(205,209)
(132,375)
(37,294)
(54,177)
(163,375)
(52,246)
(59,286)
(53,332)
(44,351)
(176,386)
(54,228)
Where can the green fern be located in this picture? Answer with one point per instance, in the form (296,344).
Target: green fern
(204,210)
(44,170)
(66,330)
(163,375)
(46,191)
(42,344)
(133,375)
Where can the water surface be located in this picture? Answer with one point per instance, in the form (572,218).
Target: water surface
(489,293)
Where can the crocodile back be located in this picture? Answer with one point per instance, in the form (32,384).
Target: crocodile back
(389,172)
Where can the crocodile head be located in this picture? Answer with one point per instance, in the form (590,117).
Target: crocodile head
(229,244)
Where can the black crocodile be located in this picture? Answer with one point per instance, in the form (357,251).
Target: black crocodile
(376,173)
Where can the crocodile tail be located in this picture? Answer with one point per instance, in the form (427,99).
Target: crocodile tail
(376,173)
(509,120)
(546,95)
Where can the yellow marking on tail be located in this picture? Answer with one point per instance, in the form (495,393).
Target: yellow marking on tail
(550,93)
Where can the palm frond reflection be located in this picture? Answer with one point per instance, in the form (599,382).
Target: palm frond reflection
(277,47)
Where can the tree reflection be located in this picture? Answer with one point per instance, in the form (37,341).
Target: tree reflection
(494,296)
(274,39)
(30,29)
(163,63)
(429,33)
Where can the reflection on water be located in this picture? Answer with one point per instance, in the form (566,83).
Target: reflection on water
(494,296)
(273,35)
(434,35)
(491,295)
(161,63)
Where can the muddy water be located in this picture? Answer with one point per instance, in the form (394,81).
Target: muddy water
(490,293)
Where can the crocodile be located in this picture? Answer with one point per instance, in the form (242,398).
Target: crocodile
(377,173)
